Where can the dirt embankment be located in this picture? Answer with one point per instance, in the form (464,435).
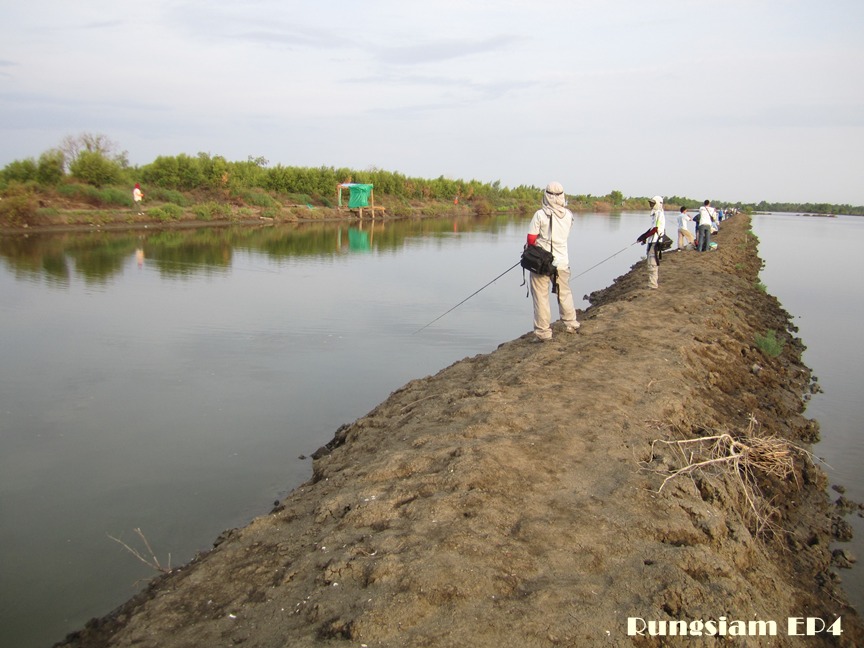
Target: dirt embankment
(512,498)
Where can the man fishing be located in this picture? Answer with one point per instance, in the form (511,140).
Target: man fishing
(653,237)
(549,229)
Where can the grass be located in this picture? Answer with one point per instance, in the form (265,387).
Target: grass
(769,344)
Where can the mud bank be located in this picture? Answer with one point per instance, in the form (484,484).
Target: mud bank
(527,498)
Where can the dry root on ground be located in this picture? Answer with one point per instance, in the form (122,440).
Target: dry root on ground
(745,458)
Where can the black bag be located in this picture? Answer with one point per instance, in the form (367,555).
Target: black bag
(538,260)
(665,243)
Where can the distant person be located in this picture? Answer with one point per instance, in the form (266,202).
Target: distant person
(705,225)
(685,236)
(549,229)
(653,237)
(137,197)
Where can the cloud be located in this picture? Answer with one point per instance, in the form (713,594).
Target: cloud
(442,50)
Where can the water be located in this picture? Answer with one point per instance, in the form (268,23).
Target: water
(813,266)
(176,392)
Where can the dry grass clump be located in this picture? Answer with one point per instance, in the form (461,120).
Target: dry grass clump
(744,458)
(152,561)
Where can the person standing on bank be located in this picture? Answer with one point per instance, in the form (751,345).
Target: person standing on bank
(653,237)
(706,222)
(137,197)
(685,236)
(549,229)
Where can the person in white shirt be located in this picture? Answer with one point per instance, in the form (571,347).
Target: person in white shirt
(137,197)
(685,236)
(653,237)
(549,229)
(704,226)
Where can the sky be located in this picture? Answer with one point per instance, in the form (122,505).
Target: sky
(735,100)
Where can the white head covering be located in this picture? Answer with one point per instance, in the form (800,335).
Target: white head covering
(554,200)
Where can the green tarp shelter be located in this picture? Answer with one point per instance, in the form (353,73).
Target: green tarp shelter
(358,194)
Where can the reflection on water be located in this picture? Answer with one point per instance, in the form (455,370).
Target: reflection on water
(99,256)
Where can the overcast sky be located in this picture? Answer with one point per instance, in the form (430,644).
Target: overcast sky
(723,99)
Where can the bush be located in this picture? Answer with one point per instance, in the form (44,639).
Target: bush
(168,196)
(210,210)
(95,169)
(258,199)
(19,210)
(115,196)
(95,196)
(482,207)
(166,212)
(769,344)
(19,171)
(51,168)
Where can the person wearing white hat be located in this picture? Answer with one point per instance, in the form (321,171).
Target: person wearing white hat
(653,237)
(549,229)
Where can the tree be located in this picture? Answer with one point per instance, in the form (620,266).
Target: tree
(73,146)
(95,169)
(19,171)
(50,169)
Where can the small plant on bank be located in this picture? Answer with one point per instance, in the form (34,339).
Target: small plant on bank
(761,287)
(769,344)
(166,212)
(152,561)
(258,198)
(168,196)
(210,210)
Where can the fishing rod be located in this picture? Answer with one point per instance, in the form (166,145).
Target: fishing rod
(604,260)
(508,270)
(468,297)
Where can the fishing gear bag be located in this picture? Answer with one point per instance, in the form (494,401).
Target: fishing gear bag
(665,243)
(538,260)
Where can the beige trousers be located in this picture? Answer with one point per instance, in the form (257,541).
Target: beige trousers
(540,287)
(653,270)
(685,235)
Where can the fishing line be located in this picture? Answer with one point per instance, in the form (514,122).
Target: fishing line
(468,297)
(604,260)
(508,270)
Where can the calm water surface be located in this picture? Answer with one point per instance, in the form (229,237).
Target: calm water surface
(171,380)
(814,267)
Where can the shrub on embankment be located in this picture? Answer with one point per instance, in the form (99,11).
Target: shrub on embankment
(86,173)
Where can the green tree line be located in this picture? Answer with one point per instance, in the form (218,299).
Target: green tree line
(91,168)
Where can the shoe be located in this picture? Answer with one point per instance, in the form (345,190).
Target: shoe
(537,339)
(572,329)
